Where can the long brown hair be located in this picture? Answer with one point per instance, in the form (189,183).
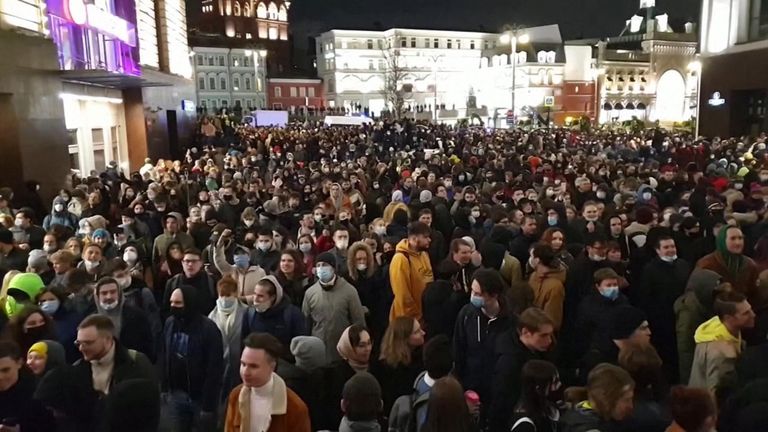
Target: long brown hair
(353,272)
(395,350)
(447,410)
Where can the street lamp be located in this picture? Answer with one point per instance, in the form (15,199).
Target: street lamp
(695,67)
(435,59)
(513,37)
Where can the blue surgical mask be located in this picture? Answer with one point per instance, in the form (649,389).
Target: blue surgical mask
(225,303)
(242,261)
(611,292)
(552,220)
(477,301)
(325,273)
(50,306)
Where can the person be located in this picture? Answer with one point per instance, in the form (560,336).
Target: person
(644,366)
(29,326)
(172,233)
(264,255)
(361,403)
(11,256)
(291,274)
(44,356)
(93,261)
(19,410)
(24,227)
(62,261)
(532,339)
(131,324)
(732,265)
(194,276)
(610,393)
(521,245)
(718,342)
(367,278)
(627,326)
(191,363)
(135,292)
(60,215)
(128,398)
(459,264)
(437,240)
(547,281)
(555,238)
(692,410)
(409,272)
(447,410)
(273,313)
(331,305)
(536,410)
(243,272)
(57,305)
(399,362)
(263,402)
(478,329)
(37,262)
(228,317)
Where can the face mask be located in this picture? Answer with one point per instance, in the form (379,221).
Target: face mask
(130,257)
(50,306)
(475,214)
(305,247)
(225,303)
(380,230)
(124,282)
(177,312)
(596,258)
(738,186)
(248,222)
(264,246)
(324,273)
(590,218)
(58,207)
(611,292)
(552,220)
(261,307)
(600,195)
(242,261)
(18,223)
(108,306)
(49,249)
(763,178)
(477,301)
(361,267)
(342,244)
(90,265)
(318,217)
(647,196)
(668,259)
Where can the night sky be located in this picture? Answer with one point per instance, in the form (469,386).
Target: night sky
(577,18)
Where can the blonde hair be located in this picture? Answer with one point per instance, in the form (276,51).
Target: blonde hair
(606,384)
(395,350)
(389,211)
(354,273)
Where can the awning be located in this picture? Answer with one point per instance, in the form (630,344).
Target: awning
(607,106)
(109,79)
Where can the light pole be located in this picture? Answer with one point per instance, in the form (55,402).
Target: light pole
(695,67)
(513,37)
(435,59)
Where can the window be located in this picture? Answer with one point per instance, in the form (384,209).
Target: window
(235,62)
(199,60)
(238,103)
(311,92)
(204,103)
(331,86)
(413,42)
(221,61)
(370,64)
(426,42)
(450,44)
(263,31)
(381,65)
(458,43)
(282,14)
(236,83)
(246,61)
(485,44)
(201,83)
(472,44)
(403,43)
(224,103)
(273,33)
(436,43)
(758,28)
(379,44)
(272,11)
(302,92)
(210,61)
(278,92)
(248,36)
(223,83)
(293,91)
(214,103)
(277,106)
(261,11)
(369,43)
(211,83)
(237,8)
(247,83)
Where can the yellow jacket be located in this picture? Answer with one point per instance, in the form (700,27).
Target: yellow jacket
(409,274)
(716,353)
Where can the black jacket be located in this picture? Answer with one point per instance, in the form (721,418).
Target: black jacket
(266,260)
(396,381)
(593,321)
(17,404)
(205,290)
(440,305)
(335,376)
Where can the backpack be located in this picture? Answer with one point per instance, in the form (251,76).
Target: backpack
(404,414)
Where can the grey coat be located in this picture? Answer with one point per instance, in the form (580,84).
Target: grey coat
(330,310)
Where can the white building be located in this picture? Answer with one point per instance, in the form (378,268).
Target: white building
(229,77)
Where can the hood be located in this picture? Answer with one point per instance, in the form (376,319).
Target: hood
(190,300)
(358,426)
(492,254)
(59,200)
(278,288)
(703,283)
(402,247)
(28,283)
(582,417)
(97,222)
(558,274)
(714,330)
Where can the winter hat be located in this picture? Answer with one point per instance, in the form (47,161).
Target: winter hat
(97,222)
(6,237)
(397,196)
(363,389)
(326,257)
(37,259)
(129,397)
(644,215)
(100,233)
(309,352)
(28,283)
(625,320)
(52,351)
(425,196)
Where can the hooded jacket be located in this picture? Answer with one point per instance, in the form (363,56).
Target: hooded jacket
(691,310)
(63,218)
(715,356)
(409,273)
(549,293)
(282,320)
(246,282)
(742,277)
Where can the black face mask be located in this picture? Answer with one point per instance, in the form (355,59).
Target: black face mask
(36,333)
(177,312)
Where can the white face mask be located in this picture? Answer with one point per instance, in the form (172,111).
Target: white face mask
(108,306)
(124,282)
(58,207)
(380,230)
(90,265)
(669,259)
(305,247)
(342,244)
(130,256)
(361,267)
(261,307)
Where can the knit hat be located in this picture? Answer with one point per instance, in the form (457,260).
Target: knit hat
(644,215)
(625,320)
(425,196)
(397,196)
(309,352)
(6,237)
(100,233)
(37,259)
(28,283)
(362,388)
(326,257)
(52,351)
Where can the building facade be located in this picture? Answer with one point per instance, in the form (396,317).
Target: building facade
(232,78)
(295,94)
(734,61)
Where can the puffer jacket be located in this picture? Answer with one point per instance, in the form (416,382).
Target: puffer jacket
(549,293)
(63,218)
(714,360)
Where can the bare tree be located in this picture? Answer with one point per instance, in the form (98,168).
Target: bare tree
(394,75)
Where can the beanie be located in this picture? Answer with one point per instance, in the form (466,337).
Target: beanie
(326,257)
(100,233)
(309,352)
(37,259)
(425,196)
(644,215)
(362,387)
(28,283)
(625,320)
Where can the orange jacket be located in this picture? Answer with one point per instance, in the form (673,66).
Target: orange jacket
(409,274)
(289,413)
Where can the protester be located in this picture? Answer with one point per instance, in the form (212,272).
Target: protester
(45,356)
(18,409)
(536,410)
(361,403)
(273,313)
(447,410)
(228,317)
(609,401)
(400,360)
(410,272)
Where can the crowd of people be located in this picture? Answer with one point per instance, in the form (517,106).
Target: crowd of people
(407,276)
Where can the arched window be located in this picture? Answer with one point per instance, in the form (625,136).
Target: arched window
(272,11)
(541,56)
(247,9)
(237,8)
(522,57)
(550,57)
(261,10)
(549,76)
(282,14)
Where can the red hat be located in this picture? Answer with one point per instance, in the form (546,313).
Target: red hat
(667,168)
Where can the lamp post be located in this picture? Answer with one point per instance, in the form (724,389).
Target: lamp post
(513,37)
(695,67)
(435,59)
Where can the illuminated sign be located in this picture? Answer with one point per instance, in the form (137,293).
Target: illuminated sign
(93,17)
(716,99)
(188,105)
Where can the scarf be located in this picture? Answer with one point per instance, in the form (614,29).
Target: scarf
(274,391)
(347,352)
(733,262)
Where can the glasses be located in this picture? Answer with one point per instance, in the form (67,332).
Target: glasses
(190,261)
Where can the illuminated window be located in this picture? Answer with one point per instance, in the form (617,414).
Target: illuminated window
(302,91)
(261,11)
(293,91)
(273,33)
(278,92)
(247,81)
(223,83)
(272,11)
(283,33)
(282,13)
(237,8)
(263,32)
(247,12)
(311,92)
(211,83)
